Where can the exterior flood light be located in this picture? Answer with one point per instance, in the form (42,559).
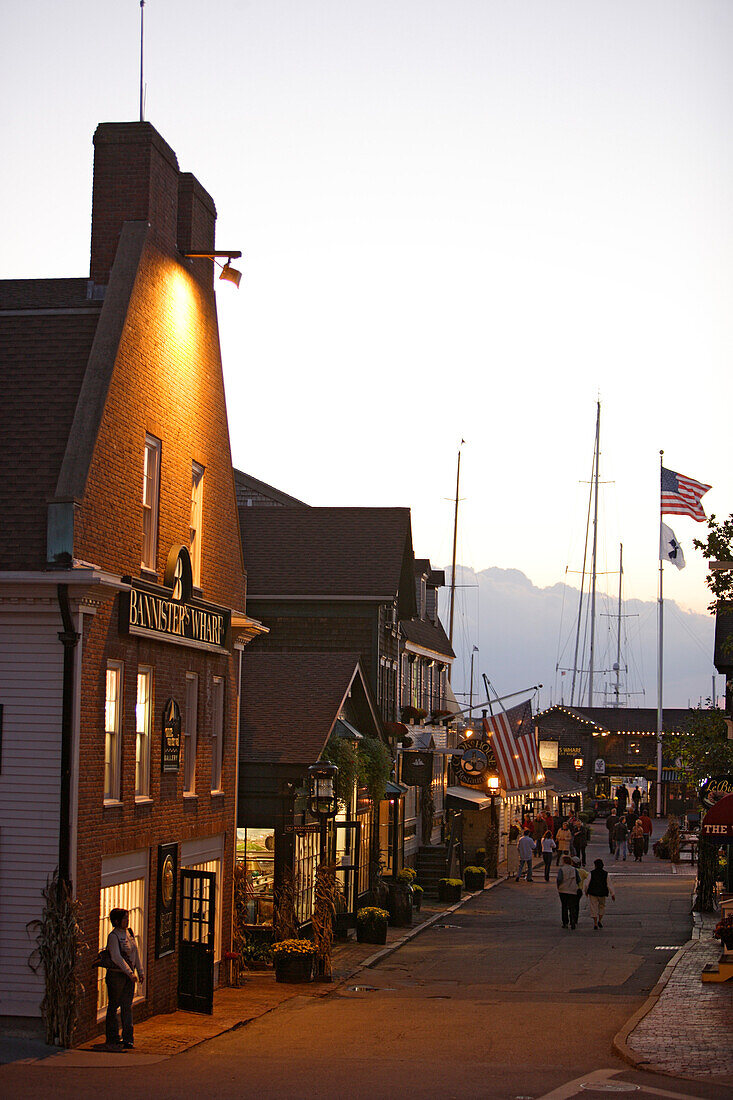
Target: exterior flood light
(228,273)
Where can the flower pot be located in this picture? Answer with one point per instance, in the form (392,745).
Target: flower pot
(400,905)
(726,940)
(372,932)
(417,902)
(475,880)
(447,892)
(294,968)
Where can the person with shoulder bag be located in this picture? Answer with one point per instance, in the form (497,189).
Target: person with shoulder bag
(125,969)
(568,885)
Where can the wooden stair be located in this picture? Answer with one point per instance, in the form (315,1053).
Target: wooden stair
(432,865)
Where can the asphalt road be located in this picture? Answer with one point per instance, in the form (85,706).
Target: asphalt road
(501,1003)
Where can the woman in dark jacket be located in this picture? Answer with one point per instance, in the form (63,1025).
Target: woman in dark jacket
(597,889)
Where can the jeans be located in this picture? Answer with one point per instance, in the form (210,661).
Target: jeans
(621,848)
(581,854)
(529,869)
(120,991)
(547,857)
(570,906)
(611,844)
(646,843)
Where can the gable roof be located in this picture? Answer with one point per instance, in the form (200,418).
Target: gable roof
(291,701)
(47,328)
(253,492)
(428,635)
(642,720)
(345,553)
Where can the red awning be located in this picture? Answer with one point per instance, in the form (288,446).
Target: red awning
(718,821)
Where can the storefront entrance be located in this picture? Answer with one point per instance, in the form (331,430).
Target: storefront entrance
(347,841)
(196,946)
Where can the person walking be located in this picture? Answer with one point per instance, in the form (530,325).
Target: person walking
(556,824)
(512,857)
(597,890)
(580,841)
(622,797)
(568,885)
(120,980)
(637,842)
(548,847)
(636,798)
(564,841)
(620,834)
(539,830)
(646,823)
(611,823)
(525,848)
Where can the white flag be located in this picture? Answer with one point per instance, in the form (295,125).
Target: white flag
(669,548)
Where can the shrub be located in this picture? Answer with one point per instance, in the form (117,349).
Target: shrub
(292,948)
(406,875)
(454,881)
(471,871)
(372,914)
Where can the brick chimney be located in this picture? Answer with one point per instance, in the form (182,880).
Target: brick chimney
(135,179)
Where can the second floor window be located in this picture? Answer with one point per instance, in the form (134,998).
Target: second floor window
(151,501)
(197,502)
(112,724)
(143,713)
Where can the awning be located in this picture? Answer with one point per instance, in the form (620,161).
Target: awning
(718,821)
(344,729)
(476,799)
(561,783)
(394,790)
(670,776)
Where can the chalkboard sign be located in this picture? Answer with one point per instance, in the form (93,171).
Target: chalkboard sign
(171,749)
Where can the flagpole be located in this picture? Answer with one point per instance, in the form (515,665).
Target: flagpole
(660,650)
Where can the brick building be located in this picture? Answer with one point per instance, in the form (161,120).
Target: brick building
(122,595)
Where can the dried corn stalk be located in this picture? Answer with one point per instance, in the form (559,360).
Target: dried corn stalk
(58,940)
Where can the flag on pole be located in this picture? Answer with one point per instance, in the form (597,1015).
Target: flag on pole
(513,741)
(669,548)
(681,495)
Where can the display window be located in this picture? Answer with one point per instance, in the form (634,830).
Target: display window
(256,850)
(123,895)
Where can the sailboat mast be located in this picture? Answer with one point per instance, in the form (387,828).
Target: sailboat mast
(594,558)
(618,639)
(453,567)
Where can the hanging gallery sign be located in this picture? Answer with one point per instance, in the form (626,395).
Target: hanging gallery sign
(165,907)
(170,755)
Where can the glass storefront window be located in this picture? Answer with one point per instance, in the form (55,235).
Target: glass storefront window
(130,896)
(256,850)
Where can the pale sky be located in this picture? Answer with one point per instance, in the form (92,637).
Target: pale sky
(460,219)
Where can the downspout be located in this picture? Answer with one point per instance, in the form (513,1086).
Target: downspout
(69,638)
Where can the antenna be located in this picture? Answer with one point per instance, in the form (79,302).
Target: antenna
(142,29)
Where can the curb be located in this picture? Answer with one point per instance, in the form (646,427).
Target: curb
(619,1043)
(379,956)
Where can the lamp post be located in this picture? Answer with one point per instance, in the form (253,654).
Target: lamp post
(492,850)
(322,799)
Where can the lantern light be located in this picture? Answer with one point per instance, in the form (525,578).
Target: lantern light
(322,801)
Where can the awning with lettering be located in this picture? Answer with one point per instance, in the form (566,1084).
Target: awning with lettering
(718,821)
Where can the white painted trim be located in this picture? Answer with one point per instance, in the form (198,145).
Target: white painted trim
(432,654)
(202,850)
(124,868)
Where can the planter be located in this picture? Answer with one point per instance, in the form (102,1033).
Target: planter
(417,902)
(372,932)
(400,905)
(727,942)
(475,880)
(294,968)
(448,892)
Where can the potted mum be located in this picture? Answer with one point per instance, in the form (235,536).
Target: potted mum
(723,931)
(400,899)
(371,925)
(417,893)
(450,889)
(475,878)
(294,960)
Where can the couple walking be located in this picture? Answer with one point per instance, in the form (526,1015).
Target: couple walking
(573,882)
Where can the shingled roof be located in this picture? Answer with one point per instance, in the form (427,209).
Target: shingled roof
(357,553)
(47,327)
(428,635)
(290,702)
(625,719)
(251,492)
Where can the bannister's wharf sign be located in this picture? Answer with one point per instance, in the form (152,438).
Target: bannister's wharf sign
(150,611)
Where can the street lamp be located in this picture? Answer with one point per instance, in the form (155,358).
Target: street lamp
(322,800)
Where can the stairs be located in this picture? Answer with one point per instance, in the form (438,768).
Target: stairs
(721,971)
(432,865)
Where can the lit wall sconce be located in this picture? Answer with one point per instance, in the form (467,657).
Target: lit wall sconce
(578,763)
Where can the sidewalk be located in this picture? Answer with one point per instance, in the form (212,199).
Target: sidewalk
(685,1029)
(168,1034)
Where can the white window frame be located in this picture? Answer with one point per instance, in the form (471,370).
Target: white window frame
(150,502)
(113,737)
(143,727)
(207,854)
(197,517)
(217,733)
(190,733)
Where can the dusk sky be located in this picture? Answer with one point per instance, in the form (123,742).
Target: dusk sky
(462,219)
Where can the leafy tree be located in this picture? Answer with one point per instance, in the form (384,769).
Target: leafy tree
(704,750)
(718,546)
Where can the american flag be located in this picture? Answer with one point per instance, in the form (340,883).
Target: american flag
(681,495)
(513,740)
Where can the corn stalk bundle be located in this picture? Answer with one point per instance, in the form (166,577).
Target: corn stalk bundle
(285,925)
(324,915)
(58,939)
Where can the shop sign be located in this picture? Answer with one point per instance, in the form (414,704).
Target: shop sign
(171,613)
(165,910)
(475,760)
(417,769)
(574,750)
(714,788)
(171,749)
(600,766)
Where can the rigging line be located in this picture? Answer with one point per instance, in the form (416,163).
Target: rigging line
(582,584)
(680,619)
